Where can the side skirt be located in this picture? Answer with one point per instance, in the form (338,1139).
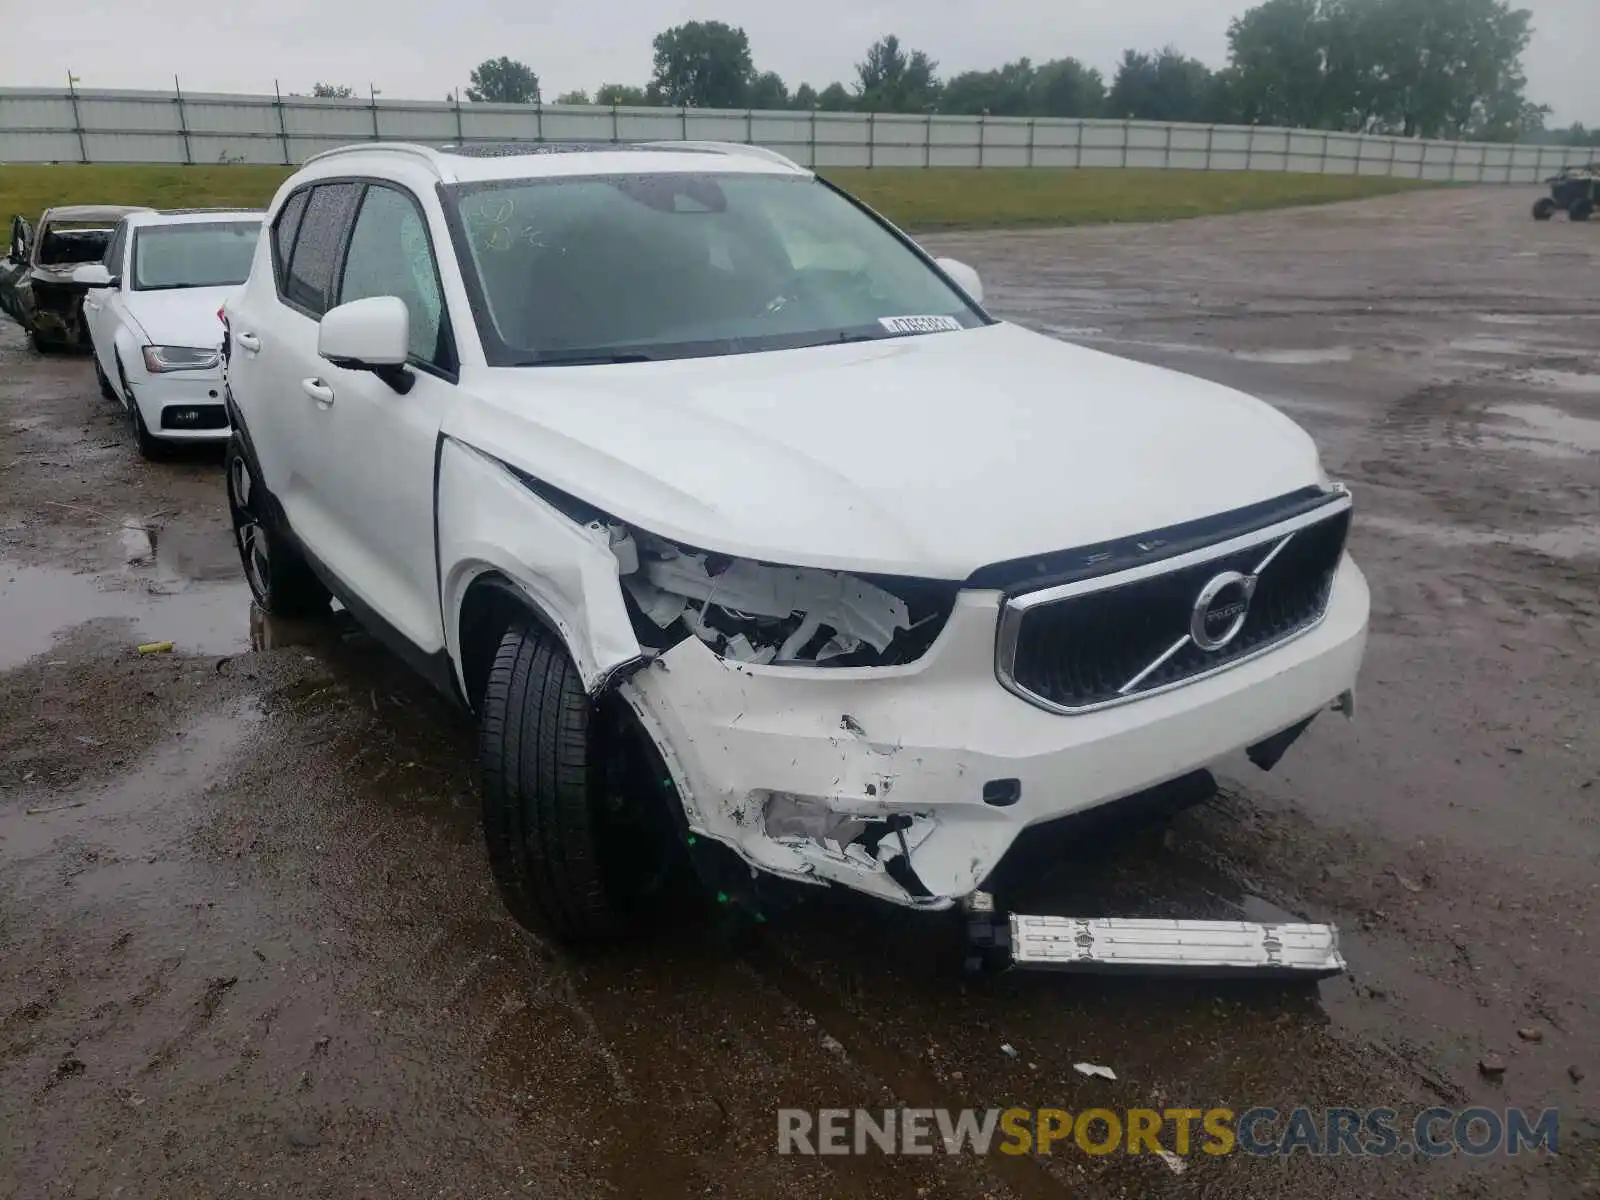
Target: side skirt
(436,667)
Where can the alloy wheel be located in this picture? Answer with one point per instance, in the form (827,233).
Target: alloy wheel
(248,530)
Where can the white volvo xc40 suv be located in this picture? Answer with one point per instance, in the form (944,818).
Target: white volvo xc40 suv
(741,526)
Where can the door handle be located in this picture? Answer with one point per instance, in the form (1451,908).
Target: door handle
(249,341)
(318,391)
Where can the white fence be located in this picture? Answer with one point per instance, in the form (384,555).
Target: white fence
(43,125)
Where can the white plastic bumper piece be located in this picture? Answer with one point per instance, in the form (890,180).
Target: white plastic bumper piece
(918,744)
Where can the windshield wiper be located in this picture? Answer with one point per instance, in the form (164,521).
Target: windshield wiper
(583,358)
(180,287)
(844,339)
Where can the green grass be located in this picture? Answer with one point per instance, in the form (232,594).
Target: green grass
(30,188)
(940,198)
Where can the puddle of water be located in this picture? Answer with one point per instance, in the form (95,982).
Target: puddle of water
(1069,331)
(1329,410)
(124,813)
(1549,430)
(1297,358)
(1506,347)
(40,604)
(1514,319)
(1571,382)
(1563,541)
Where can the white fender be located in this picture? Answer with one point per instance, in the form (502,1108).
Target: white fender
(490,521)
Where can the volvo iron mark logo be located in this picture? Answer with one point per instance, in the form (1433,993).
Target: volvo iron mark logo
(1220,610)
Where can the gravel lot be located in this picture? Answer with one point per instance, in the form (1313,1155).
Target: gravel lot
(248,942)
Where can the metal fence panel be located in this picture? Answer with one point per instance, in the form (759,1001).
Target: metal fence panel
(49,125)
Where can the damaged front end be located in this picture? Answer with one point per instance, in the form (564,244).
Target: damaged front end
(753,612)
(50,306)
(832,727)
(737,620)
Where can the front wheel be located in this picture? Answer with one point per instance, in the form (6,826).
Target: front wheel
(1544,208)
(280,579)
(580,837)
(106,390)
(151,448)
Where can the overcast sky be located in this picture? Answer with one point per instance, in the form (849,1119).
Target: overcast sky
(420,49)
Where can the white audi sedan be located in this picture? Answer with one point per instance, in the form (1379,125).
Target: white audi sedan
(152,315)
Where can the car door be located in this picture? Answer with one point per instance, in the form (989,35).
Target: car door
(16,265)
(378,491)
(273,357)
(101,305)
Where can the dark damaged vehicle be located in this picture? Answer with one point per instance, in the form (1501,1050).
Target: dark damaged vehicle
(36,285)
(1575,191)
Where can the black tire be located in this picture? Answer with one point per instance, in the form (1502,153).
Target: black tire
(1544,208)
(575,816)
(1582,209)
(41,343)
(151,449)
(106,390)
(280,580)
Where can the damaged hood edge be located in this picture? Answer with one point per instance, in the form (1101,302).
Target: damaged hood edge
(922,456)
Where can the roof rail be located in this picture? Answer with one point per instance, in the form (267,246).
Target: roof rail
(741,149)
(425,153)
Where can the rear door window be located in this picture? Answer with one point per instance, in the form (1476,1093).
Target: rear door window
(283,233)
(316,246)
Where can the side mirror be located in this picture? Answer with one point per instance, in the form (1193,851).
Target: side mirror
(375,332)
(94,275)
(964,277)
(369,335)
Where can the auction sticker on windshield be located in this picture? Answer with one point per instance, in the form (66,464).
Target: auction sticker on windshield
(919,324)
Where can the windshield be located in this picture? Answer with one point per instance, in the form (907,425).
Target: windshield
(200,254)
(637,267)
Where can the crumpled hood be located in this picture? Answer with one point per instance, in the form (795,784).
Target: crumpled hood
(179,316)
(930,455)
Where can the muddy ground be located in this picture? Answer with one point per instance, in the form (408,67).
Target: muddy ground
(248,942)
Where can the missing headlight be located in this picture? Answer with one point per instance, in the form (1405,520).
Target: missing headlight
(757,612)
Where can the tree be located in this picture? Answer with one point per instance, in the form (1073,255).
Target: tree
(805,97)
(703,64)
(622,94)
(835,98)
(576,96)
(330,91)
(1005,92)
(1453,67)
(1419,68)
(1164,86)
(1064,87)
(768,91)
(503,81)
(890,80)
(1282,54)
